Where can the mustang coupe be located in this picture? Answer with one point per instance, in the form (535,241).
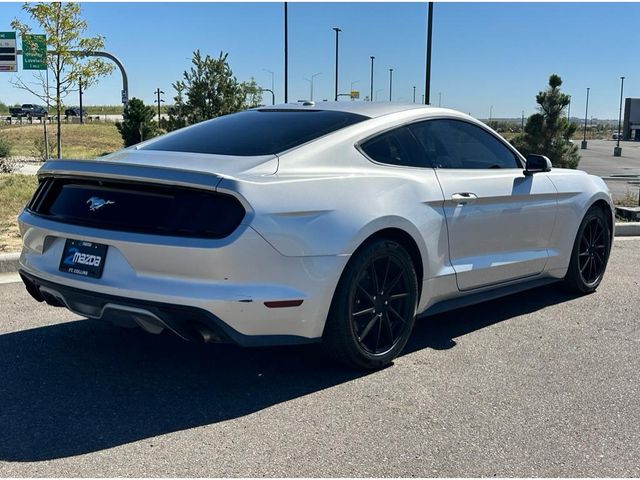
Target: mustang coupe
(331,222)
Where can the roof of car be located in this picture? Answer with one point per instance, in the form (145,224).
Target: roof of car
(368,109)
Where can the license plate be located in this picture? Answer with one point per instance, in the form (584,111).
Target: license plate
(83,258)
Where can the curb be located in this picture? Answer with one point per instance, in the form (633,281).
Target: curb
(9,261)
(627,229)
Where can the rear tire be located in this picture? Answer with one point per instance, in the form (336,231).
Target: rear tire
(374,306)
(590,253)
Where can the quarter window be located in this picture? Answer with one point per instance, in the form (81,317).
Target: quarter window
(396,147)
(459,144)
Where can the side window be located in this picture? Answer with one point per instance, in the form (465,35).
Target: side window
(396,147)
(458,144)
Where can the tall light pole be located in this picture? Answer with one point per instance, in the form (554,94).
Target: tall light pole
(522,122)
(617,150)
(272,83)
(311,82)
(427,87)
(439,99)
(390,82)
(586,112)
(414,94)
(286,53)
(371,90)
(158,92)
(337,30)
(569,110)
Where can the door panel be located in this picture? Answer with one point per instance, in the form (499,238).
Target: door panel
(499,221)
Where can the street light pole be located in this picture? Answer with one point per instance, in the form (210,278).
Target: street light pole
(414,94)
(371,91)
(311,82)
(569,110)
(522,122)
(586,112)
(337,30)
(439,99)
(390,82)
(272,83)
(427,87)
(617,151)
(286,53)
(158,101)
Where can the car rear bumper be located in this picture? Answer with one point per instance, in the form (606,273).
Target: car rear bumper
(228,285)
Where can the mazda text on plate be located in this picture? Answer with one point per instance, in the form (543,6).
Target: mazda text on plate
(330,222)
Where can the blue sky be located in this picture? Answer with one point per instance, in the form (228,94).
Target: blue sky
(484,54)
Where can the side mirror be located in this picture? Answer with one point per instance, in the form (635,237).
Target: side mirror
(537,164)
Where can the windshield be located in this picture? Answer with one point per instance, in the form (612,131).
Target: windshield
(254,132)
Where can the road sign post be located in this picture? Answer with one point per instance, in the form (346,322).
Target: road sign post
(34,52)
(8,52)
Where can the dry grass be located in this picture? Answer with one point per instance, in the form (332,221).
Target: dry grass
(78,141)
(15,192)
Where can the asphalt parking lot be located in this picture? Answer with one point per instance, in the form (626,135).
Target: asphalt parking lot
(538,384)
(622,174)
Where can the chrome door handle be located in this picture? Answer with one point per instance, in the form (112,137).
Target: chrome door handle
(464,197)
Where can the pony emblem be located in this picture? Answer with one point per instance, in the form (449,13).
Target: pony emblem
(96,203)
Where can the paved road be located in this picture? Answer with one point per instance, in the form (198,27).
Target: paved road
(538,384)
(622,174)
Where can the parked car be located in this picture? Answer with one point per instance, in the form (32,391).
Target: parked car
(616,135)
(28,110)
(74,112)
(330,222)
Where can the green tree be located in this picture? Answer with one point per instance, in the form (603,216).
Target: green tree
(209,89)
(548,132)
(64,28)
(137,123)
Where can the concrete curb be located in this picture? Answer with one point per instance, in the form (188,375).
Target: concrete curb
(9,261)
(627,229)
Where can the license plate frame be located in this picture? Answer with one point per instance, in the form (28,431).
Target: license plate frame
(82,258)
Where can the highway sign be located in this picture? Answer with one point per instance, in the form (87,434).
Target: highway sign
(355,94)
(34,52)
(8,54)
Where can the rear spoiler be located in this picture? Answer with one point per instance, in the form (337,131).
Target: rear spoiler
(130,172)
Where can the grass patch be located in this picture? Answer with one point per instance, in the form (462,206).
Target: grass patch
(78,141)
(15,192)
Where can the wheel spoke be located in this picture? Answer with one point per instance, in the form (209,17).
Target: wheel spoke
(398,296)
(395,282)
(367,294)
(379,332)
(386,274)
(368,328)
(393,310)
(387,322)
(376,284)
(362,312)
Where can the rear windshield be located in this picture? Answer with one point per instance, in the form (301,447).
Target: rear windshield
(255,132)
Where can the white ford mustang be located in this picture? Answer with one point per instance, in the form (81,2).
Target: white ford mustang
(333,222)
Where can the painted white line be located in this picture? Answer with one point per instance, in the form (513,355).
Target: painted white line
(9,278)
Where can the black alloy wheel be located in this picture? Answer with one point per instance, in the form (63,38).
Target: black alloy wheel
(590,253)
(374,306)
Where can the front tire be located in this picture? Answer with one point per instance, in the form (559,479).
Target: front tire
(374,306)
(590,253)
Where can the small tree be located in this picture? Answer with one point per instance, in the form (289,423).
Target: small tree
(209,89)
(63,26)
(137,123)
(548,132)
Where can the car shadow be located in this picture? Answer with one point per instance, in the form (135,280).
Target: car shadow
(84,386)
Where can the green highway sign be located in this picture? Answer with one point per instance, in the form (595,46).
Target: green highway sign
(8,52)
(34,52)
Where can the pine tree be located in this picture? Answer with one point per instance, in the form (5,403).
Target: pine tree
(548,132)
(137,123)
